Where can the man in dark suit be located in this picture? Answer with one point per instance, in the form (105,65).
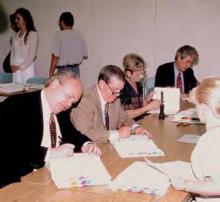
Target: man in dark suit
(26,140)
(179,73)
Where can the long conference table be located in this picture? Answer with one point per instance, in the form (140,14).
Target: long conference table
(38,186)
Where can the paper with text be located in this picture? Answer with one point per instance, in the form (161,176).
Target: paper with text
(136,146)
(81,170)
(179,169)
(139,177)
(189,138)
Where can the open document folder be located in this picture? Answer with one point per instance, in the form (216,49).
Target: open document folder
(139,177)
(136,146)
(81,170)
(187,116)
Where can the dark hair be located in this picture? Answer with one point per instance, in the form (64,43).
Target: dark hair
(28,20)
(12,18)
(108,71)
(67,18)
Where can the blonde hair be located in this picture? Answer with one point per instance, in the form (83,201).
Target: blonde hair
(133,62)
(208,92)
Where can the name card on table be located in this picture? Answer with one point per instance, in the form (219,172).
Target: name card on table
(171,98)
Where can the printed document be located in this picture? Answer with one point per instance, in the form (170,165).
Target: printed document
(136,146)
(80,170)
(139,177)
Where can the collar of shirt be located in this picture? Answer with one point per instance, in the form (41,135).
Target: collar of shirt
(46,142)
(103,103)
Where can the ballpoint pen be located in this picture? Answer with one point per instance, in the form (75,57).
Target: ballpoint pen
(191,118)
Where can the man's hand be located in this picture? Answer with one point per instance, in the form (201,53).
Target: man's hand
(141,131)
(91,148)
(124,131)
(62,151)
(14,68)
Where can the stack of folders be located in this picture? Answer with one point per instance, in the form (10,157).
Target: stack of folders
(136,146)
(81,170)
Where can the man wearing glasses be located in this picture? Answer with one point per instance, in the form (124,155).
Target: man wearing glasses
(99,114)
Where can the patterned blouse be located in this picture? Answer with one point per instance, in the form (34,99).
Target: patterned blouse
(130,99)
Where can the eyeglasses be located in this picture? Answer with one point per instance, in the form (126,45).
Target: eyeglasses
(113,92)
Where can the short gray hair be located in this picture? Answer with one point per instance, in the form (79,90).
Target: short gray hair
(62,76)
(186,50)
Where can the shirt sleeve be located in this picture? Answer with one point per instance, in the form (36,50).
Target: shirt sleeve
(56,46)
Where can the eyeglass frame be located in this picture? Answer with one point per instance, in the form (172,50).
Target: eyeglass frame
(113,92)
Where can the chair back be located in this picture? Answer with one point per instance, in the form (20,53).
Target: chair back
(37,80)
(149,85)
(6,77)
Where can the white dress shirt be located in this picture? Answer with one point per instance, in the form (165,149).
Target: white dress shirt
(46,140)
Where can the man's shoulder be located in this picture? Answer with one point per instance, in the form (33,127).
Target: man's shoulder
(166,66)
(25,96)
(90,95)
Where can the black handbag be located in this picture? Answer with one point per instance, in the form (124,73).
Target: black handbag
(6,64)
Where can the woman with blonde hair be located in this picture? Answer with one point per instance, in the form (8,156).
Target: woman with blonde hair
(205,156)
(132,99)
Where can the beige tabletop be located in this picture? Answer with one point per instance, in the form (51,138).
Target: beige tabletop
(38,186)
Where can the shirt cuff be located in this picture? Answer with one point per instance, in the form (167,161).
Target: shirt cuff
(134,126)
(88,142)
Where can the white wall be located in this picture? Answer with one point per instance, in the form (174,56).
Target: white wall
(152,28)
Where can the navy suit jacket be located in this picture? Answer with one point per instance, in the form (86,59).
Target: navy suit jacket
(165,77)
(21,133)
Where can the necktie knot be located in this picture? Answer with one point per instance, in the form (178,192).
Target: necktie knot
(53,132)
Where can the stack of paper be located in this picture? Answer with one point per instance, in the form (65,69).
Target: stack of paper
(171,98)
(11,87)
(136,146)
(139,177)
(187,116)
(81,170)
